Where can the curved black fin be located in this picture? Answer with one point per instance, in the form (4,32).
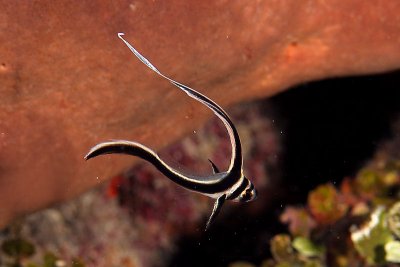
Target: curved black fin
(214,167)
(217,208)
(236,158)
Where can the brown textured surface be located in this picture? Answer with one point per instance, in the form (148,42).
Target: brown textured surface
(67,81)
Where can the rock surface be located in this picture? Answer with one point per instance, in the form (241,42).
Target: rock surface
(138,218)
(67,82)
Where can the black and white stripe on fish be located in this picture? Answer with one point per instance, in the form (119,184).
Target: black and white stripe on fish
(228,185)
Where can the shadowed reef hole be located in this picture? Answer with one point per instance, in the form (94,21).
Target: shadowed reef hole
(330,129)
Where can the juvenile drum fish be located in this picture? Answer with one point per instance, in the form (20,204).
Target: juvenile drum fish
(228,185)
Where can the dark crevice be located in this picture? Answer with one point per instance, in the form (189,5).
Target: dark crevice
(330,129)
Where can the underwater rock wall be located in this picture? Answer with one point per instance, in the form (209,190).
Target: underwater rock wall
(67,82)
(135,219)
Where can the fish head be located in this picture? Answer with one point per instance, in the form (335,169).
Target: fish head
(249,193)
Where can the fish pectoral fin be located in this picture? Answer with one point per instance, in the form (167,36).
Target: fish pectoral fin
(217,208)
(214,167)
